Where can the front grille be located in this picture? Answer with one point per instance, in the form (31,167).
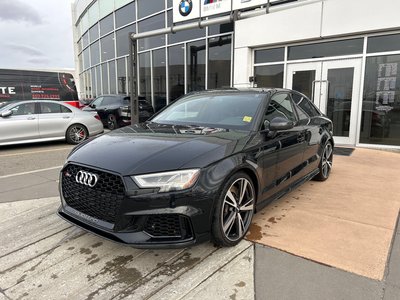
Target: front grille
(167,226)
(102,201)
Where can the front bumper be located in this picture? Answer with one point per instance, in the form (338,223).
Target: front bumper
(129,215)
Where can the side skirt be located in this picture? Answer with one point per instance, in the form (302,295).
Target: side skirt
(292,187)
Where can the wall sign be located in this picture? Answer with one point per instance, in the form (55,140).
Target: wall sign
(184,10)
(193,9)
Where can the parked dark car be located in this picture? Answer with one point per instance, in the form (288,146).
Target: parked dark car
(115,111)
(197,170)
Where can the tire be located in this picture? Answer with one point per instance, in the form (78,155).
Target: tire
(76,134)
(325,165)
(232,221)
(112,122)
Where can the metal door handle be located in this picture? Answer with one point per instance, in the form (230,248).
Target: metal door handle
(31,118)
(66,117)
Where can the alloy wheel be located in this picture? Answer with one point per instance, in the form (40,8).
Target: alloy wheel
(77,134)
(327,160)
(237,209)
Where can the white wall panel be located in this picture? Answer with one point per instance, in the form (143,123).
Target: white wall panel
(242,70)
(341,17)
(293,24)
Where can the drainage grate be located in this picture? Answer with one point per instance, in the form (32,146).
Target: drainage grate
(343,151)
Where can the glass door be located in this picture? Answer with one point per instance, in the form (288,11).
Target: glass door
(333,86)
(340,94)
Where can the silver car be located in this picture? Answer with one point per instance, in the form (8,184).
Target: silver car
(42,120)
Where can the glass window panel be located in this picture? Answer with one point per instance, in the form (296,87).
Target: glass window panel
(80,46)
(105,7)
(303,82)
(145,76)
(94,32)
(121,76)
(86,62)
(94,13)
(269,55)
(196,66)
(85,40)
(120,3)
(106,24)
(107,47)
(159,79)
(383,43)
(269,76)
(88,85)
(95,53)
(326,49)
(94,84)
(80,62)
(125,15)
(148,7)
(123,40)
(104,78)
(339,99)
(112,77)
(220,28)
(184,35)
(169,3)
(380,117)
(176,72)
(85,22)
(98,81)
(149,24)
(219,62)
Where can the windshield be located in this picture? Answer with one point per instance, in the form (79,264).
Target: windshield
(231,111)
(5,105)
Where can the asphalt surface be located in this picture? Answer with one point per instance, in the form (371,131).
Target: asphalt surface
(44,257)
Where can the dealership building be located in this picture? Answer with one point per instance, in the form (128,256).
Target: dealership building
(344,55)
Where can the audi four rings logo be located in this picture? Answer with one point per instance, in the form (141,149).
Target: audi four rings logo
(185,7)
(86,178)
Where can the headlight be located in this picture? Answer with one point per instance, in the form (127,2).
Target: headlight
(168,181)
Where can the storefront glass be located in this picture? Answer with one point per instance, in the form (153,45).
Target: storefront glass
(380,119)
(219,62)
(269,76)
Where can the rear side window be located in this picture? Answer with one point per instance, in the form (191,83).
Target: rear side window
(305,105)
(53,108)
(111,100)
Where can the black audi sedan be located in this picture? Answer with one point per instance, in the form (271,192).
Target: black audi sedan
(197,170)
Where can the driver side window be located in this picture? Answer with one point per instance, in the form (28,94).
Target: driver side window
(280,106)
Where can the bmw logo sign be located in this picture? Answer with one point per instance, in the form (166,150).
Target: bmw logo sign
(185,7)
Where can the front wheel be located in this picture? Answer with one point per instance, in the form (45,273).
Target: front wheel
(76,133)
(234,210)
(325,165)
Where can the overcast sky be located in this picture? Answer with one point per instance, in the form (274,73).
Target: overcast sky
(36,34)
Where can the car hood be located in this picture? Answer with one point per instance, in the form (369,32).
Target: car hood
(148,148)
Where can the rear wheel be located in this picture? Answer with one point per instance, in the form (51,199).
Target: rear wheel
(112,122)
(76,133)
(325,165)
(234,210)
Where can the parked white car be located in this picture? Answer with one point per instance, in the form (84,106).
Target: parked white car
(45,120)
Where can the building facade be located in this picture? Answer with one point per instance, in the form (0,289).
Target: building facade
(344,55)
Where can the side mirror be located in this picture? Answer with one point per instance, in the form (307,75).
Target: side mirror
(280,123)
(92,105)
(6,113)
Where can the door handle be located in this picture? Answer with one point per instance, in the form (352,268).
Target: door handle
(31,118)
(66,117)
